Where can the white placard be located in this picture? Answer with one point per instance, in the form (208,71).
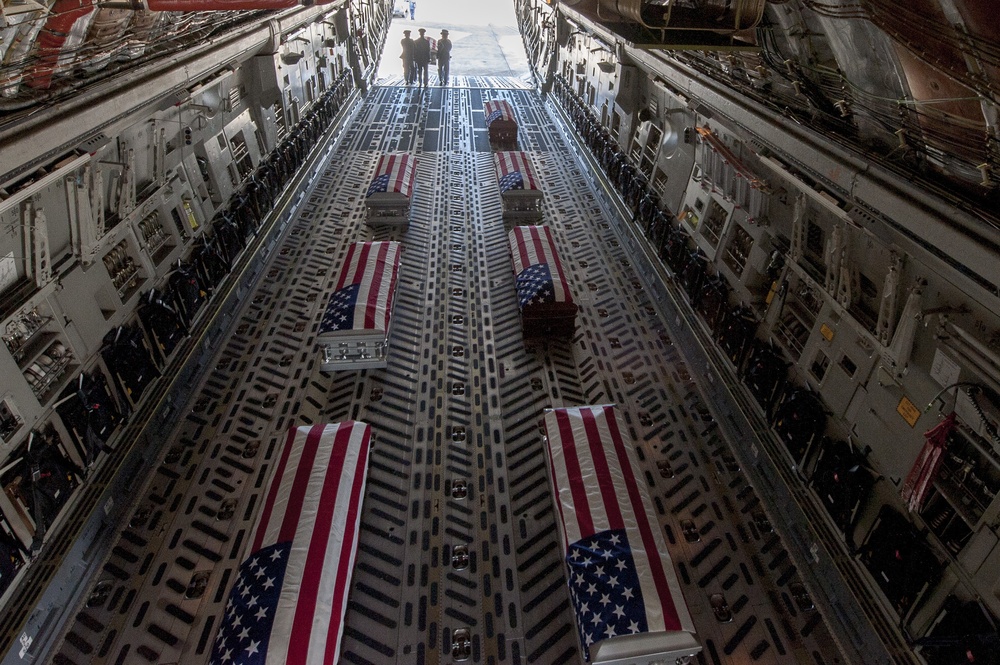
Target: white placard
(944,370)
(8,272)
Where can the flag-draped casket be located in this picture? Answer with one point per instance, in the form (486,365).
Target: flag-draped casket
(520,189)
(501,123)
(354,332)
(628,603)
(543,295)
(288,601)
(388,197)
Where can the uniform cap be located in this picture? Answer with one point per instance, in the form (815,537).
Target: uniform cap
(421,31)
(444,32)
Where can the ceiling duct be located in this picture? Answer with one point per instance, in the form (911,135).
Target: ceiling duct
(220,5)
(725,16)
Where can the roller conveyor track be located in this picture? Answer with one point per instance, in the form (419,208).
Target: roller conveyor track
(461,399)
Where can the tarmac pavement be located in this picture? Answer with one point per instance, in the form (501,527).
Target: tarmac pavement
(484,36)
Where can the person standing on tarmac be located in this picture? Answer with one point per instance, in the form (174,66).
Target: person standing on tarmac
(444,57)
(407,56)
(421,57)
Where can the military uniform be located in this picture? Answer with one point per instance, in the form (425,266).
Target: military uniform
(444,57)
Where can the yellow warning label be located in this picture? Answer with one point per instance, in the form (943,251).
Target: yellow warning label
(910,413)
(770,294)
(827,332)
(192,220)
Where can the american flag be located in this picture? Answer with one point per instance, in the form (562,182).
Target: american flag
(288,601)
(604,586)
(339,314)
(620,576)
(918,483)
(534,286)
(498,109)
(514,171)
(538,271)
(394,174)
(365,289)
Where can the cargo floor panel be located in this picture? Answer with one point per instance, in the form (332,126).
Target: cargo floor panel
(457,527)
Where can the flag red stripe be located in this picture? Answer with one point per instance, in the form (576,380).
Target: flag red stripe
(375,288)
(581,509)
(344,276)
(604,480)
(528,172)
(272,493)
(346,553)
(297,492)
(401,173)
(518,161)
(396,172)
(298,644)
(522,249)
(391,171)
(535,235)
(670,619)
(505,163)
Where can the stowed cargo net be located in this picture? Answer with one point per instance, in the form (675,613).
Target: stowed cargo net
(625,593)
(288,602)
(388,197)
(355,326)
(543,294)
